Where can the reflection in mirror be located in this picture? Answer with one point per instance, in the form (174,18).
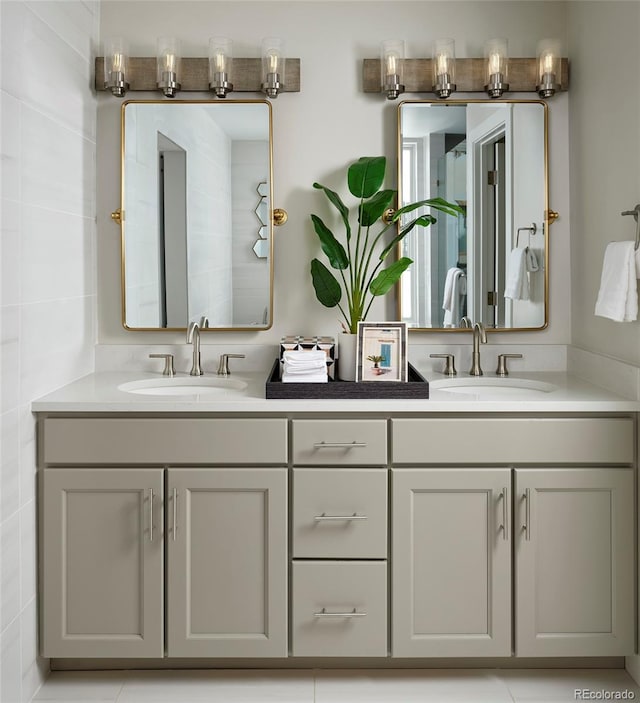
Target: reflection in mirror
(196,195)
(491,263)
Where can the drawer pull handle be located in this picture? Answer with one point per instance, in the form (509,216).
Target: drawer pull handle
(338,445)
(324,613)
(324,516)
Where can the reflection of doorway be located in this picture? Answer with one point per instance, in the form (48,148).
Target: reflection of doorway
(489,140)
(172,219)
(494,233)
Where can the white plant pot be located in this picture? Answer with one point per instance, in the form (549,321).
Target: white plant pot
(347,356)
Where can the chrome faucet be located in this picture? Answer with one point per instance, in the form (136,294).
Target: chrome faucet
(479,336)
(193,337)
(466,322)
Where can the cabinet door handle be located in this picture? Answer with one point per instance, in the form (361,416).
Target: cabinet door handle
(527,514)
(175,513)
(338,445)
(505,513)
(151,515)
(324,613)
(355,516)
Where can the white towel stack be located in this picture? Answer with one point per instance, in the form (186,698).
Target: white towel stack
(305,366)
(618,294)
(517,284)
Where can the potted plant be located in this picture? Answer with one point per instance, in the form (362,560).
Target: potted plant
(360,260)
(376,359)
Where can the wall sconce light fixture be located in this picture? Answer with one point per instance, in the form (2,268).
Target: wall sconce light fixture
(548,67)
(273,62)
(168,66)
(444,67)
(220,61)
(496,58)
(392,66)
(116,66)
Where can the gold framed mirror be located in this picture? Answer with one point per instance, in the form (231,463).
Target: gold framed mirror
(193,245)
(491,264)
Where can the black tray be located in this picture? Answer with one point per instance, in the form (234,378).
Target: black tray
(416,387)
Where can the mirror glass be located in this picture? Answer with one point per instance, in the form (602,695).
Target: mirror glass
(489,264)
(196,203)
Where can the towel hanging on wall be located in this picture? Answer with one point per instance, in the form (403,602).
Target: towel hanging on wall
(618,294)
(517,283)
(455,286)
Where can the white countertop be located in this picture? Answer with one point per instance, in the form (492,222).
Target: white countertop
(99,393)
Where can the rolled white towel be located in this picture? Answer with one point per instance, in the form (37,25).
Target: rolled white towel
(618,294)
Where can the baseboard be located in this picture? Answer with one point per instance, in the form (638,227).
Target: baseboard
(344,663)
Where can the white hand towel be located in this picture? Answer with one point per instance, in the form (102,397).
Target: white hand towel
(618,294)
(454,287)
(517,285)
(532,260)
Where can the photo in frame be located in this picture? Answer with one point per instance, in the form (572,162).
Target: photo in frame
(381,351)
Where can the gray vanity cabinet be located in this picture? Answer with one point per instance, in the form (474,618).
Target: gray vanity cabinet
(451,580)
(102,563)
(227,562)
(125,550)
(572,533)
(574,562)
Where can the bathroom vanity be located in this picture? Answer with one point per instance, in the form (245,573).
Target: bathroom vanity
(237,527)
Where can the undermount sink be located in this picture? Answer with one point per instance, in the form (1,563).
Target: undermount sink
(185,386)
(494,388)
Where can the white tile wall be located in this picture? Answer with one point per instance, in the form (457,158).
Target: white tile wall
(48,290)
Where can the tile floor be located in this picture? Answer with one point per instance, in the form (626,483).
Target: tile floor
(363,686)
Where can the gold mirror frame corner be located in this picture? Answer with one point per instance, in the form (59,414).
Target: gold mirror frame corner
(550,216)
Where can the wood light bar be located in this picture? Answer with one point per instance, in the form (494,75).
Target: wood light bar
(194,75)
(470,75)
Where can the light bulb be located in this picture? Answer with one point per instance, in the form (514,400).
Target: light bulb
(494,62)
(441,63)
(272,60)
(219,61)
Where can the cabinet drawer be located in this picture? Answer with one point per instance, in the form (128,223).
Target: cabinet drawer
(339,609)
(165,440)
(513,440)
(349,442)
(340,513)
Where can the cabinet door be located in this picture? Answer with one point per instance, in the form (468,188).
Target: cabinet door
(451,563)
(574,562)
(227,563)
(102,570)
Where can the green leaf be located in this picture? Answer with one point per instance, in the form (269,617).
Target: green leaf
(366,175)
(423,221)
(327,288)
(436,203)
(336,201)
(330,245)
(383,282)
(374,208)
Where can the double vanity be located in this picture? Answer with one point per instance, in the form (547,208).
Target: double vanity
(192,519)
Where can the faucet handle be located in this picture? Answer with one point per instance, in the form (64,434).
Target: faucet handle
(169,369)
(502,363)
(449,364)
(223,366)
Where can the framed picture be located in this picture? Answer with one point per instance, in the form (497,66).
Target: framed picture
(382,351)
